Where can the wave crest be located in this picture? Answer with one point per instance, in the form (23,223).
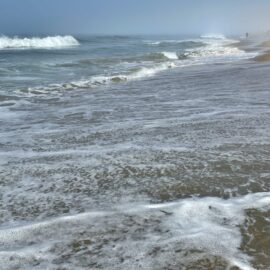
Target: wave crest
(37,42)
(96,81)
(170,55)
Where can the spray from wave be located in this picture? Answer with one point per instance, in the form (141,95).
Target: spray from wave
(37,42)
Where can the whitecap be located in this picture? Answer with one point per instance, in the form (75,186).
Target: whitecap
(37,42)
(170,55)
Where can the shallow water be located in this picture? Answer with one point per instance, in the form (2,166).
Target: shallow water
(170,171)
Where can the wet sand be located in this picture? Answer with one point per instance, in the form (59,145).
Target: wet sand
(253,45)
(266,54)
(263,58)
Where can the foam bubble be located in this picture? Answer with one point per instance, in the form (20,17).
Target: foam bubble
(37,42)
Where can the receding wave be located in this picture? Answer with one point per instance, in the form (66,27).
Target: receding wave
(37,42)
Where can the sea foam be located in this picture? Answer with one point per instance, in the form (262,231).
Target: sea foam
(217,48)
(213,224)
(209,225)
(37,42)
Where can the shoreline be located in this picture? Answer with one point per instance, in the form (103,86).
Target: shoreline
(249,45)
(265,57)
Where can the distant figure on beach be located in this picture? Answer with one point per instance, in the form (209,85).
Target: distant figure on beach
(247,35)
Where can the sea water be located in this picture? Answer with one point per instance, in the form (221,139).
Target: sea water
(133,152)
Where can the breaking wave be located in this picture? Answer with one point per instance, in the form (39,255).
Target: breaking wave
(158,56)
(37,42)
(217,47)
(170,55)
(96,81)
(216,50)
(206,49)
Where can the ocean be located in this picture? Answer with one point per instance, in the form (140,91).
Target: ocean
(134,152)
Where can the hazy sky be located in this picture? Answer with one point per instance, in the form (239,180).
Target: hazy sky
(133,16)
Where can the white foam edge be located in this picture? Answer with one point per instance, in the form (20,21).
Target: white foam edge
(37,42)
